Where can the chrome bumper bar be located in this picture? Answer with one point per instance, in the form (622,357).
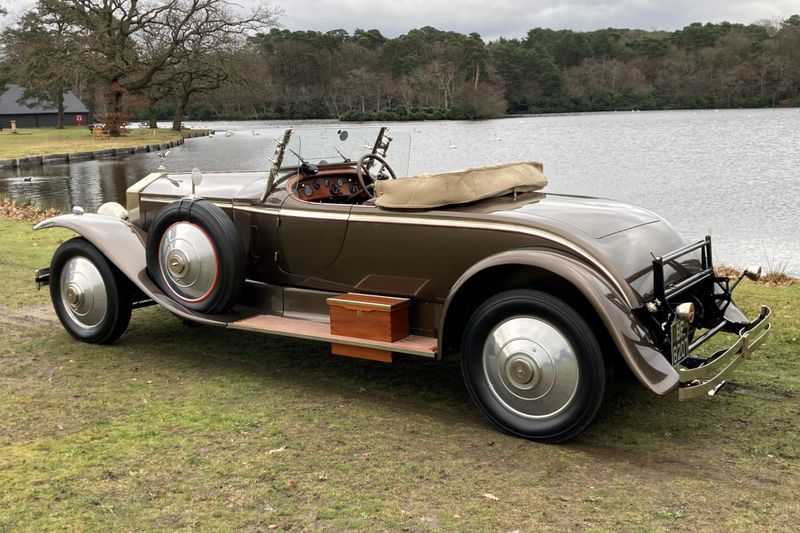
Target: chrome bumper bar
(708,378)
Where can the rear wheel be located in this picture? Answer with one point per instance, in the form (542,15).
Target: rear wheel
(533,365)
(90,296)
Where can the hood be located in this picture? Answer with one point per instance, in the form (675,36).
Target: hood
(216,186)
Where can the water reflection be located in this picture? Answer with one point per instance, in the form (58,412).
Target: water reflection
(87,183)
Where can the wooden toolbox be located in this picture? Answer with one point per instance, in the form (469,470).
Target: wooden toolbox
(364,316)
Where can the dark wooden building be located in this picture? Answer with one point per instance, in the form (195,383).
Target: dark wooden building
(33,115)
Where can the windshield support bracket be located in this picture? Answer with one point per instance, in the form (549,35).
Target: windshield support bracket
(276,161)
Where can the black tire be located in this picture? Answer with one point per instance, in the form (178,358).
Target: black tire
(216,230)
(80,271)
(496,377)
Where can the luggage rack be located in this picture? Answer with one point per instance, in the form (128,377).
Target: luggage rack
(705,375)
(663,293)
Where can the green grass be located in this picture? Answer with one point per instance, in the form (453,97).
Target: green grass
(23,250)
(42,141)
(172,428)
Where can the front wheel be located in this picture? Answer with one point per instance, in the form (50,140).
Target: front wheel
(90,296)
(533,365)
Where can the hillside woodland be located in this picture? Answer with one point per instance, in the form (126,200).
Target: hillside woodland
(429,73)
(199,60)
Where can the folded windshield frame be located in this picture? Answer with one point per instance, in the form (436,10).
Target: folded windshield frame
(335,146)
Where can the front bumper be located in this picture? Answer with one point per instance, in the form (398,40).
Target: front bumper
(706,376)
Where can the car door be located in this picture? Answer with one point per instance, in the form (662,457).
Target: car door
(310,236)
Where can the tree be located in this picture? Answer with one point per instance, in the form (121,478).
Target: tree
(697,35)
(43,55)
(4,67)
(607,43)
(607,84)
(566,47)
(429,73)
(296,68)
(371,39)
(649,47)
(531,76)
(786,56)
(201,71)
(201,63)
(474,57)
(130,42)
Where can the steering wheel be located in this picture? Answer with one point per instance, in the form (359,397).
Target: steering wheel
(361,170)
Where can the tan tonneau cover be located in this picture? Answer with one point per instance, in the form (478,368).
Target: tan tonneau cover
(460,187)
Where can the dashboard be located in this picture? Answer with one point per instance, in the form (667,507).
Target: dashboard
(335,185)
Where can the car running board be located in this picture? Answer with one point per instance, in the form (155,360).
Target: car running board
(321,331)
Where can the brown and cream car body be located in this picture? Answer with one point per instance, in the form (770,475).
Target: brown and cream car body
(535,292)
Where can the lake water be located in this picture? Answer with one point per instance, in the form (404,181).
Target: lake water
(734,174)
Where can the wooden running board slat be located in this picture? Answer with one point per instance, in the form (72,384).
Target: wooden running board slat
(321,331)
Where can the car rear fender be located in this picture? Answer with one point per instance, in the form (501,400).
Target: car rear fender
(625,330)
(124,245)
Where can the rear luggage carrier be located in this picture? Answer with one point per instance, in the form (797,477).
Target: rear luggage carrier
(704,376)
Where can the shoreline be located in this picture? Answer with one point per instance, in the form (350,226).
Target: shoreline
(543,113)
(104,153)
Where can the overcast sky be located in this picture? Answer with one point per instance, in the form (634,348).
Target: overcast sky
(513,18)
(505,18)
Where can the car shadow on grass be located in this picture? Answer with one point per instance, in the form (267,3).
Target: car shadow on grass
(631,419)
(410,382)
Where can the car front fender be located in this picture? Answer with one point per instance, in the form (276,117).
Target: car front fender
(624,328)
(124,245)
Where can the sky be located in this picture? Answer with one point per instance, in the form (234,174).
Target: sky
(513,18)
(505,18)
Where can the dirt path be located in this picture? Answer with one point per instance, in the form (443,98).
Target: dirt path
(16,322)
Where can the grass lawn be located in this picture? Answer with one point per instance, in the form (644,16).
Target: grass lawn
(177,427)
(40,141)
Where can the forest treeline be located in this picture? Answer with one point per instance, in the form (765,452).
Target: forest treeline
(429,73)
(196,59)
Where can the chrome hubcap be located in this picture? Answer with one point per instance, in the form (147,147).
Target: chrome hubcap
(188,261)
(530,367)
(74,295)
(83,292)
(521,370)
(177,262)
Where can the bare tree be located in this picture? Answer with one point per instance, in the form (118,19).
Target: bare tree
(203,60)
(204,74)
(595,79)
(132,41)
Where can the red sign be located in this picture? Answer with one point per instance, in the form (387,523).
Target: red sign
(79,118)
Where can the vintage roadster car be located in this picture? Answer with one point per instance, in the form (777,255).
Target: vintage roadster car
(536,293)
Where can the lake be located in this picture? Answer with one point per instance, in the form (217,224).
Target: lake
(734,174)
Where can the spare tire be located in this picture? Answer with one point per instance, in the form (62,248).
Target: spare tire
(195,256)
